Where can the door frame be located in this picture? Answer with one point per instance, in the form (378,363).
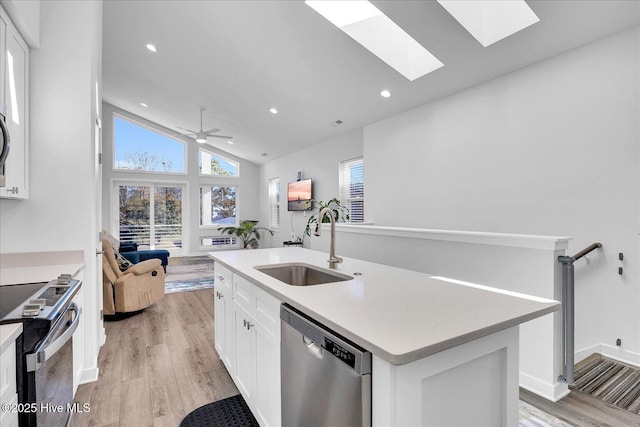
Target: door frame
(114,211)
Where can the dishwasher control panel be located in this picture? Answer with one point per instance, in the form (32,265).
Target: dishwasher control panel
(340,352)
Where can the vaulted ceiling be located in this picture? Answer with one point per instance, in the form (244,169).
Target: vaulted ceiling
(240,58)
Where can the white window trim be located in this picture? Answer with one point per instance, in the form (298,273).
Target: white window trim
(218,226)
(114,211)
(343,190)
(273,205)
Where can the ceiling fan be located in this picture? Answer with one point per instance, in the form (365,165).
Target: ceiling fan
(202,135)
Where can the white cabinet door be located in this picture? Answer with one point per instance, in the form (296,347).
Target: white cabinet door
(267,378)
(3,48)
(16,99)
(245,333)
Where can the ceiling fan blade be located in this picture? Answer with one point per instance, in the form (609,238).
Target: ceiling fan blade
(212,130)
(192,131)
(221,136)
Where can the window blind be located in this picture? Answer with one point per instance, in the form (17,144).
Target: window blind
(352,188)
(274,203)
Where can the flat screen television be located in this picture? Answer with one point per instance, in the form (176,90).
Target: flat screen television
(298,194)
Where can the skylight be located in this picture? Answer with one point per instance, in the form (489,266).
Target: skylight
(367,25)
(490,21)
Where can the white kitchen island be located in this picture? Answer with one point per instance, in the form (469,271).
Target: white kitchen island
(444,352)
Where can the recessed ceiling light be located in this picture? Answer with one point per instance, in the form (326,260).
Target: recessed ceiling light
(385,93)
(264,154)
(490,21)
(367,25)
(144,105)
(151,47)
(230,142)
(273,110)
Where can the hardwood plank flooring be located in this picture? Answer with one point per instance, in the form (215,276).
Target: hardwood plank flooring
(157,366)
(582,410)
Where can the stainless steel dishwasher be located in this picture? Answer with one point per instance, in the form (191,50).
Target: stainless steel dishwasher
(326,380)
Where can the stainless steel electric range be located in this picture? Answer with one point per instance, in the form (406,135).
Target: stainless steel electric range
(44,351)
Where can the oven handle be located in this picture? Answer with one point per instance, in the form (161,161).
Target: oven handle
(34,360)
(5,141)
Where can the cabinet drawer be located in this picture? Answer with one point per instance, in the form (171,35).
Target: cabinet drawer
(223,276)
(8,373)
(259,304)
(244,294)
(267,312)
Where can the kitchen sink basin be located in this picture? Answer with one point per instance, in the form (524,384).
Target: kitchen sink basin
(300,274)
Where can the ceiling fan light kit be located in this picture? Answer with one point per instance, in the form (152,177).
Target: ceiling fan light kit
(201,136)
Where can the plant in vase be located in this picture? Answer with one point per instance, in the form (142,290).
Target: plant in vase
(340,213)
(248,233)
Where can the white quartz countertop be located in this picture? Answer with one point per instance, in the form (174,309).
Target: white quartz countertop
(8,334)
(34,267)
(399,315)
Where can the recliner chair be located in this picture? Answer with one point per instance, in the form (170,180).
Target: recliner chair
(136,288)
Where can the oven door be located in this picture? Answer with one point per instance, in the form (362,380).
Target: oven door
(51,363)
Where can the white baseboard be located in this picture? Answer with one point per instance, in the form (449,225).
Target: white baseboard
(550,391)
(612,352)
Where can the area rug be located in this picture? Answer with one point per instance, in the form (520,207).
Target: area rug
(189,285)
(232,411)
(192,275)
(610,381)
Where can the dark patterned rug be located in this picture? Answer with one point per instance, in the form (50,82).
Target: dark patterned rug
(229,412)
(611,381)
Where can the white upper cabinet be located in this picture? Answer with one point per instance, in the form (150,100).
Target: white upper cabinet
(14,99)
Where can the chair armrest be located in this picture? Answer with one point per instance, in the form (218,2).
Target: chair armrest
(144,267)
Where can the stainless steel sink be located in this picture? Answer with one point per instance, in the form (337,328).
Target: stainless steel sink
(300,274)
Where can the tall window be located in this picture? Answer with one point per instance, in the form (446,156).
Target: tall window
(215,165)
(141,149)
(217,206)
(352,188)
(274,203)
(151,215)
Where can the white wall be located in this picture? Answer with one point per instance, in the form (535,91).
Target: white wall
(321,164)
(247,188)
(551,149)
(60,213)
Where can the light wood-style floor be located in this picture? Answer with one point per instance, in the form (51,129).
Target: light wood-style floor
(157,366)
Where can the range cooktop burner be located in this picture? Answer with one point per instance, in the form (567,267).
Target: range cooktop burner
(13,296)
(36,300)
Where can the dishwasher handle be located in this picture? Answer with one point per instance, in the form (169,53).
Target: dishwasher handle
(317,337)
(313,348)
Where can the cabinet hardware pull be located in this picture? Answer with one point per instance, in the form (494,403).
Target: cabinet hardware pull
(249,325)
(244,322)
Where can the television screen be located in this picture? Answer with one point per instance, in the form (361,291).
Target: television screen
(298,193)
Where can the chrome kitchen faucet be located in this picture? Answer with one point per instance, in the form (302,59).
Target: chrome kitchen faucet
(333,259)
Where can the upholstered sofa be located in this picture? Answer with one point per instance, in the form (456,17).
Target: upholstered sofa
(135,288)
(130,251)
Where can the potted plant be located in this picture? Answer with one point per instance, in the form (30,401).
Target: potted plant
(340,213)
(248,232)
